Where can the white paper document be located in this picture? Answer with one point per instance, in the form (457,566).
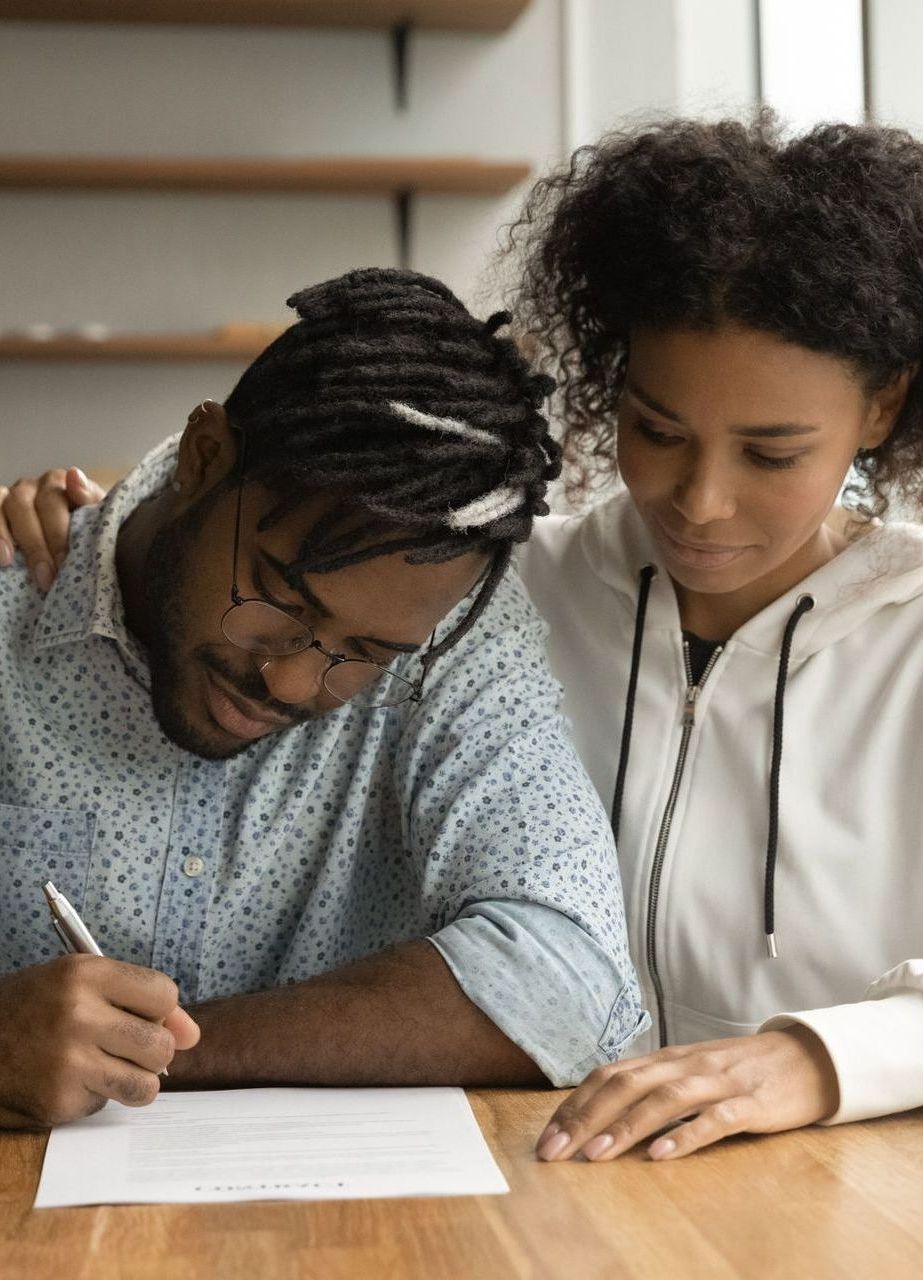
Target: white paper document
(271,1144)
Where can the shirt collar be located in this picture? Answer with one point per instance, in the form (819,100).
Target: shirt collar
(86,599)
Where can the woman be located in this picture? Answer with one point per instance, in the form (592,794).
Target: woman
(738,322)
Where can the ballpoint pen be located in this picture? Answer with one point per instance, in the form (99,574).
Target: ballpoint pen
(70,928)
(67,924)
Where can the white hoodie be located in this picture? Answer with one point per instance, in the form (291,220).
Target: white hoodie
(848,893)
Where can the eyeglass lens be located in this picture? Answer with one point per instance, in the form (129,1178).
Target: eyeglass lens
(264,630)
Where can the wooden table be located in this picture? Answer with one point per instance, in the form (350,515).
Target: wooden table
(813,1204)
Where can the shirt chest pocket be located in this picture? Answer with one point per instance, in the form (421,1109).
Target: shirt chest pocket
(38,845)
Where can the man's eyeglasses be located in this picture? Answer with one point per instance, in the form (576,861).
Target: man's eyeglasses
(259,627)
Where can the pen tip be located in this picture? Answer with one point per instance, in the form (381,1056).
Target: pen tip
(49,890)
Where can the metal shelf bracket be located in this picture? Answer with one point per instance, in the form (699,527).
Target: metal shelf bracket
(403,209)
(400,48)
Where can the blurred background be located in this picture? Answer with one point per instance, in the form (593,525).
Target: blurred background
(171,170)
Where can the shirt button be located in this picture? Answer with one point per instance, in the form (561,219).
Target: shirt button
(193,866)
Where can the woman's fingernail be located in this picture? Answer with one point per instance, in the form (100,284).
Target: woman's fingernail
(551,1149)
(549,1132)
(44,576)
(6,554)
(81,476)
(662,1147)
(598,1146)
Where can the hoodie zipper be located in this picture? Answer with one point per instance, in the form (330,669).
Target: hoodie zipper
(689,704)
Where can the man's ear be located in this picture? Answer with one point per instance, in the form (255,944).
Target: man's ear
(207,451)
(885,407)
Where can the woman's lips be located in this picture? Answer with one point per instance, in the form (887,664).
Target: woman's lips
(229,714)
(699,555)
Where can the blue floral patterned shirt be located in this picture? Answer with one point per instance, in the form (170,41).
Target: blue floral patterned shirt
(466,819)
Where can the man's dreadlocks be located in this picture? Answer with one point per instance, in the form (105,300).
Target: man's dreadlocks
(388,392)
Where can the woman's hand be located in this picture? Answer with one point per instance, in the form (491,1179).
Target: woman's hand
(754,1084)
(35,516)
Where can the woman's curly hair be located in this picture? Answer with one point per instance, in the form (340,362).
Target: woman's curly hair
(817,240)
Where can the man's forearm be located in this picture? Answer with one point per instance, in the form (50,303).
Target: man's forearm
(396,1018)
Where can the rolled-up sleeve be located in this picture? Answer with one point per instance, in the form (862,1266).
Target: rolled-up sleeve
(548,986)
(514,855)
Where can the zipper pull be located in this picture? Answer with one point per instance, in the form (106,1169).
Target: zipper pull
(692,694)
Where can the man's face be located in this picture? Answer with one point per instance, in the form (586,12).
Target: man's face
(210,697)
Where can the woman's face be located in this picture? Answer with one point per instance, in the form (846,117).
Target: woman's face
(734,446)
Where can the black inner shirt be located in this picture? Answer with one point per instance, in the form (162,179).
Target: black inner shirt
(700,651)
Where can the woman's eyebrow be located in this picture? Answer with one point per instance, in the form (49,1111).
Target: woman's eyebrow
(634,390)
(777,429)
(770,431)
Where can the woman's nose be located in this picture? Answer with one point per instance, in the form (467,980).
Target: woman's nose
(703,494)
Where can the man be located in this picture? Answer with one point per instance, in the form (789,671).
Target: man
(284,733)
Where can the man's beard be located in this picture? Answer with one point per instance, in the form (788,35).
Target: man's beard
(170,665)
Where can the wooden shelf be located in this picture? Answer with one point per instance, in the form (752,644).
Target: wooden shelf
(357,176)
(180,347)
(433,15)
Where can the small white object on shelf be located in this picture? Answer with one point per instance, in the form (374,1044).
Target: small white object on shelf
(40,332)
(93,331)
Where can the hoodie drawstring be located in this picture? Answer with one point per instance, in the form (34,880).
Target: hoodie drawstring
(804,605)
(646,577)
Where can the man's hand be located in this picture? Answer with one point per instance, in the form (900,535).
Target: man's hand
(754,1084)
(35,516)
(80,1030)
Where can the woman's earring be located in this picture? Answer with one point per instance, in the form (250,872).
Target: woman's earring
(176,486)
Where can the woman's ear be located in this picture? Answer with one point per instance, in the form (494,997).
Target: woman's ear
(885,407)
(207,450)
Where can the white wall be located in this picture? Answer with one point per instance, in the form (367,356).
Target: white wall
(895,40)
(564,73)
(716,57)
(627,61)
(169,261)
(812,60)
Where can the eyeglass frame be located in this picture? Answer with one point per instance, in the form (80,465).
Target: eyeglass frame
(333,659)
